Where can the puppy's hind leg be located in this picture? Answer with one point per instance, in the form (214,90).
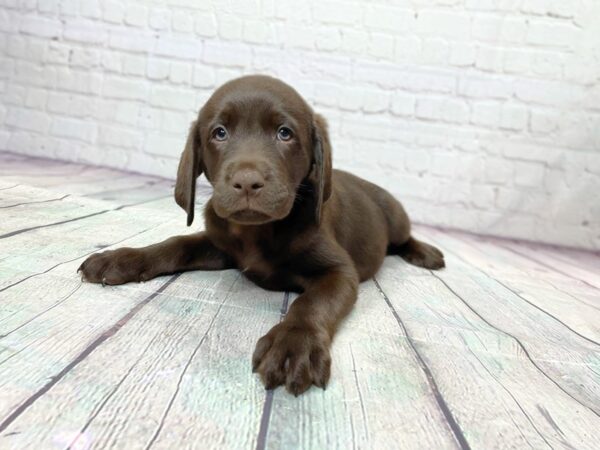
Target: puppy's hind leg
(403,244)
(420,254)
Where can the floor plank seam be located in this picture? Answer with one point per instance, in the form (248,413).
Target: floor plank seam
(521,346)
(265,418)
(83,355)
(444,409)
(185,368)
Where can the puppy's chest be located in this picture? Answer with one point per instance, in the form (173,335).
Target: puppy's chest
(262,264)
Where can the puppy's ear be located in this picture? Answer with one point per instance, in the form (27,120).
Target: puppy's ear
(321,171)
(189,169)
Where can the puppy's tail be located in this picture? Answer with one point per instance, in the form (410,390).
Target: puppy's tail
(419,254)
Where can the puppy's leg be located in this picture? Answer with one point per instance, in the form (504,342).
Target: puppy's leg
(420,254)
(402,243)
(177,254)
(296,351)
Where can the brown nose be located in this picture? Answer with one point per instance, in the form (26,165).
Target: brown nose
(247,181)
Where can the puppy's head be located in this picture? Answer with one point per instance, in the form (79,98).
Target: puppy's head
(257,141)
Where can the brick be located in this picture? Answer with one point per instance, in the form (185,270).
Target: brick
(354,41)
(34,74)
(417,161)
(227,54)
(168,145)
(407,49)
(300,37)
(327,94)
(513,117)
(158,69)
(328,39)
(489,58)
(17,96)
(118,87)
(140,41)
(181,73)
(493,5)
(175,98)
(36,99)
(40,26)
(552,34)
(204,76)
(111,61)
(258,32)
(449,25)
(69,8)
(229,27)
(444,164)
(388,18)
(462,54)
(381,46)
(134,65)
(159,18)
(549,92)
(336,12)
(487,87)
(444,109)
(482,196)
(528,174)
(351,98)
(136,15)
(486,114)
(183,48)
(376,101)
(78,81)
(183,21)
(85,31)
(119,137)
(90,9)
(205,25)
(113,11)
(517,61)
(498,171)
(543,121)
(85,57)
(435,51)
(74,129)
(27,119)
(403,104)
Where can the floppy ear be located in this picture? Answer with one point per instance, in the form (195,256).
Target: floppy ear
(321,171)
(187,173)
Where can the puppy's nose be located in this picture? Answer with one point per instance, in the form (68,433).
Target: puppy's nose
(247,181)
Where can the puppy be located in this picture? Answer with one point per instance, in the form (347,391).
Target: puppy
(281,215)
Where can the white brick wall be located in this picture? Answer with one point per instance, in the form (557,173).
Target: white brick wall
(478,114)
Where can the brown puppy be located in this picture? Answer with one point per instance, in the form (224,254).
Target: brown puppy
(281,215)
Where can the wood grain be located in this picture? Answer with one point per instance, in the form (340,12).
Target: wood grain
(499,350)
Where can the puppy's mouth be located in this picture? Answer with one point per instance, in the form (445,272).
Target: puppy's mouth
(249,217)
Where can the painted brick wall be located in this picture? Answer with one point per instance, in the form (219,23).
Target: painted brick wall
(482,115)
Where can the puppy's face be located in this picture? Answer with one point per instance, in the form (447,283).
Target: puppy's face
(255,141)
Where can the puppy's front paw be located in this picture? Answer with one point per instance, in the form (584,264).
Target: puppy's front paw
(116,267)
(294,355)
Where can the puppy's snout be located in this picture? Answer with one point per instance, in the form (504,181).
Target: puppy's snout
(247,181)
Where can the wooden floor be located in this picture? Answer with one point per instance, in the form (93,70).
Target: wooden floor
(499,350)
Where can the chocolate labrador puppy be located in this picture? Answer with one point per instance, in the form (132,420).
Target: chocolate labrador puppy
(281,215)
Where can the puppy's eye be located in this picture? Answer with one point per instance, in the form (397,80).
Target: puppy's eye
(220,134)
(284,134)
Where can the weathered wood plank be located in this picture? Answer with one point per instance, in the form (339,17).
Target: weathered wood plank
(177,375)
(378,396)
(492,372)
(515,273)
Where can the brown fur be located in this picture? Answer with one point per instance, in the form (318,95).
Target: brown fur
(281,215)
